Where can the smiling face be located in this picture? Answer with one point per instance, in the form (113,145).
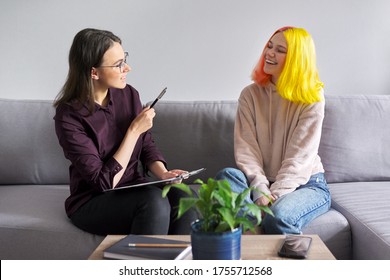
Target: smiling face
(275,56)
(112,72)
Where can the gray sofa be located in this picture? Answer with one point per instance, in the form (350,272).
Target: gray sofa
(354,150)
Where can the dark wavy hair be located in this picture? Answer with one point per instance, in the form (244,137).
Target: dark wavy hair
(87,50)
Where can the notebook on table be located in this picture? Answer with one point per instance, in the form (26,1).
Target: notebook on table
(133,247)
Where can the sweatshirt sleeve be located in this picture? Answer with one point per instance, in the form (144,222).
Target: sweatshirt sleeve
(301,151)
(246,149)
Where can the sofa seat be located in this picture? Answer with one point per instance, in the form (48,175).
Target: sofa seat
(38,228)
(334,230)
(366,207)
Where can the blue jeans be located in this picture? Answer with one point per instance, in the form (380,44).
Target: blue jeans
(292,211)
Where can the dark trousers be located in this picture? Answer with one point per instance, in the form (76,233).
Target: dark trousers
(140,210)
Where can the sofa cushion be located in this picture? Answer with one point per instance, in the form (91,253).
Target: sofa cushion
(33,225)
(334,230)
(354,143)
(366,207)
(29,149)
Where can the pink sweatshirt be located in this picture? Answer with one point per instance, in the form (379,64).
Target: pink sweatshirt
(276,140)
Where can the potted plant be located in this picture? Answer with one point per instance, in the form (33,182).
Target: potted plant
(217,235)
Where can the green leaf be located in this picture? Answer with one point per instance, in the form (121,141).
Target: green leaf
(227,216)
(255,210)
(224,194)
(235,206)
(267,210)
(185,188)
(198,181)
(185,204)
(165,191)
(221,200)
(206,192)
(246,224)
(203,208)
(222,227)
(240,200)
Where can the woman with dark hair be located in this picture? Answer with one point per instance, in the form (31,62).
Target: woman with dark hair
(104,132)
(277,134)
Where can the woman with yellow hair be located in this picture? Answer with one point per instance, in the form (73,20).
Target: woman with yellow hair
(277,135)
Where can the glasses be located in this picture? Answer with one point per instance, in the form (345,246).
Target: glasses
(121,65)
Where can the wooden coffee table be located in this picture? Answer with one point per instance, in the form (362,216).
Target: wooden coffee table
(253,247)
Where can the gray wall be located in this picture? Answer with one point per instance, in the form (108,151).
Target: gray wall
(199,49)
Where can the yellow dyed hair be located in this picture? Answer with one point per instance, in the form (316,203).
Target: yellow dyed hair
(299,81)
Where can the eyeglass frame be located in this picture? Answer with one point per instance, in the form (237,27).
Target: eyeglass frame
(121,65)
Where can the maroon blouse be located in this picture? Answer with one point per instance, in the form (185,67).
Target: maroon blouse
(90,141)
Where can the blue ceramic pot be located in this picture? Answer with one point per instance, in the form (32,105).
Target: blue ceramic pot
(215,245)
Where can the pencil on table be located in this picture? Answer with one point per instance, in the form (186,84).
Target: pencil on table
(183,245)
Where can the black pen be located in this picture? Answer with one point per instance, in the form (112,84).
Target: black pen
(158,97)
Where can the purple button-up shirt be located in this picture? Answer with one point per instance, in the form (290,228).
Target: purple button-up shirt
(90,141)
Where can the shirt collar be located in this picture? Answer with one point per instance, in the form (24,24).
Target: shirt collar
(109,104)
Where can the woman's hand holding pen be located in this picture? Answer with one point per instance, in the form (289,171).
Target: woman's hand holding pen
(144,121)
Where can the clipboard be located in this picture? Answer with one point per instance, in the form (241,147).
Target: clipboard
(160,182)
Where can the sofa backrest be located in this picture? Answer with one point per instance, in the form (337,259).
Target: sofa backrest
(354,144)
(29,149)
(195,134)
(355,138)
